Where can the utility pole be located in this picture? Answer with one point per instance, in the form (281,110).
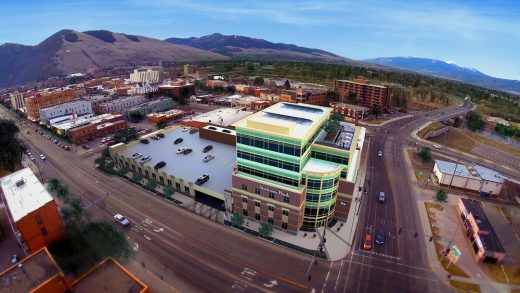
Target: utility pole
(98,200)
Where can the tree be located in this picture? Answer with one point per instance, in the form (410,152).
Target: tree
(11,148)
(126,135)
(287,84)
(62,192)
(136,116)
(352,99)
(73,213)
(123,170)
(237,219)
(137,177)
(168,191)
(474,121)
(331,96)
(265,230)
(162,124)
(376,110)
(259,81)
(441,195)
(53,185)
(425,154)
(152,184)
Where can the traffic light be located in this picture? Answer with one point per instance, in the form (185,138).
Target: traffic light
(400,231)
(415,234)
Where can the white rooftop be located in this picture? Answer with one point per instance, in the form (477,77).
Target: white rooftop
(83,120)
(221,116)
(319,166)
(473,172)
(23,193)
(488,174)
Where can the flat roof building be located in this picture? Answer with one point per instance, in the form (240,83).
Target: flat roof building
(75,108)
(224,117)
(45,99)
(135,113)
(353,112)
(370,95)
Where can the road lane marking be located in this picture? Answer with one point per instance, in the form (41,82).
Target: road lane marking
(327,278)
(147,238)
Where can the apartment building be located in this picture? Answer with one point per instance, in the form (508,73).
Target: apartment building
(18,100)
(189,69)
(290,172)
(120,105)
(354,112)
(370,95)
(145,75)
(76,108)
(45,99)
(304,95)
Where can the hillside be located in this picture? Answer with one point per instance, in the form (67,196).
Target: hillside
(449,70)
(70,51)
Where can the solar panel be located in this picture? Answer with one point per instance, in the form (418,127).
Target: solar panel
(302,108)
(301,121)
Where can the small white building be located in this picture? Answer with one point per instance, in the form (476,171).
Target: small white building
(77,108)
(471,178)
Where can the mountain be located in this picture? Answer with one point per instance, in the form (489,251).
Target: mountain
(449,70)
(240,47)
(69,51)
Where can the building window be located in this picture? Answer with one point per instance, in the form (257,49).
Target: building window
(153,176)
(161,179)
(44,232)
(178,185)
(244,212)
(284,225)
(270,220)
(257,217)
(285,212)
(146,173)
(244,187)
(257,204)
(244,199)
(286,199)
(257,190)
(186,189)
(271,195)
(169,182)
(38,219)
(271,208)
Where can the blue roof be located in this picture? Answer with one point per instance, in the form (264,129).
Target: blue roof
(488,174)
(452,168)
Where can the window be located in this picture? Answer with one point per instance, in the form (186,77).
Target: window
(38,219)
(257,190)
(244,187)
(244,212)
(44,232)
(286,199)
(154,176)
(169,182)
(244,199)
(284,225)
(270,220)
(271,195)
(257,217)
(186,189)
(257,204)
(146,173)
(161,179)
(271,208)
(285,212)
(178,185)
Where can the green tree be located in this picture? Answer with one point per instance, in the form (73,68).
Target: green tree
(52,185)
(123,170)
(425,154)
(62,192)
(237,219)
(152,184)
(73,213)
(168,191)
(137,177)
(265,230)
(376,110)
(474,121)
(259,81)
(441,195)
(126,135)
(331,96)
(11,148)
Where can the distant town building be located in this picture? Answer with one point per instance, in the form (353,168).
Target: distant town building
(45,99)
(32,212)
(144,75)
(120,105)
(213,83)
(77,108)
(353,112)
(484,241)
(177,89)
(370,95)
(80,130)
(18,100)
(140,111)
(166,116)
(303,95)
(201,74)
(189,69)
(142,88)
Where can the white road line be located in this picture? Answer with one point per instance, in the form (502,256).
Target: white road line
(326,278)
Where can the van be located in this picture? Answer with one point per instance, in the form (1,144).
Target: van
(382,197)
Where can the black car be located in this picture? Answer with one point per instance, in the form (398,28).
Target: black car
(207,149)
(194,130)
(178,140)
(161,135)
(145,141)
(187,151)
(159,165)
(380,237)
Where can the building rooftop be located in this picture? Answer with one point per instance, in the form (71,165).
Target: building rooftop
(34,271)
(286,119)
(320,166)
(458,169)
(342,139)
(188,167)
(488,174)
(351,106)
(488,240)
(68,104)
(221,117)
(23,193)
(150,103)
(83,120)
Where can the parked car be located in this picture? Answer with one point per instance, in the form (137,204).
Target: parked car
(160,135)
(382,197)
(367,243)
(146,159)
(187,151)
(159,165)
(181,150)
(178,140)
(202,179)
(103,140)
(31,158)
(380,237)
(207,148)
(208,158)
(155,137)
(194,130)
(121,220)
(437,146)
(42,157)
(184,129)
(380,153)
(85,147)
(145,141)
(137,155)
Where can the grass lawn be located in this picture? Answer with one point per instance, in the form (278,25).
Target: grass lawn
(377,121)
(430,127)
(432,205)
(420,176)
(513,274)
(466,287)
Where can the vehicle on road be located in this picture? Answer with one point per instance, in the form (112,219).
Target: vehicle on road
(121,220)
(208,158)
(202,179)
(146,159)
(145,141)
(155,137)
(437,146)
(207,148)
(103,140)
(137,155)
(184,129)
(178,140)
(382,197)
(85,147)
(187,151)
(380,237)
(42,157)
(66,147)
(194,130)
(367,243)
(159,165)
(160,135)
(181,150)
(380,153)
(31,158)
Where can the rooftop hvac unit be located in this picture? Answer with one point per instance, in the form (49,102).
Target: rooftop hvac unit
(20,183)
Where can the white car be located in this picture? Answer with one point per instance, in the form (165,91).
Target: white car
(184,129)
(31,158)
(42,157)
(380,153)
(103,140)
(208,158)
(121,220)
(437,146)
(179,151)
(137,155)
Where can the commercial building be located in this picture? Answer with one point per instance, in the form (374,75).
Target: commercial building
(18,100)
(290,172)
(137,112)
(213,83)
(189,69)
(33,213)
(304,95)
(370,95)
(177,89)
(85,128)
(142,88)
(144,75)
(75,108)
(353,112)
(484,241)
(166,116)
(223,117)
(45,99)
(120,105)
(475,179)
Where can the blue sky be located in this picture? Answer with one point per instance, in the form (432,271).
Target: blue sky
(481,34)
